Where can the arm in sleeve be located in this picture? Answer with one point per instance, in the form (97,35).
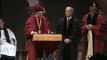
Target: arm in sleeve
(76,35)
(98,28)
(12,36)
(29,29)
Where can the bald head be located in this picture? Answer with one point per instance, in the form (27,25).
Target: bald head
(69,8)
(69,11)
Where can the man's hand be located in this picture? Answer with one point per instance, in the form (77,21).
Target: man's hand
(35,33)
(67,41)
(12,42)
(89,27)
(32,33)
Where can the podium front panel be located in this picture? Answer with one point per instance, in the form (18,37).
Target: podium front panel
(47,37)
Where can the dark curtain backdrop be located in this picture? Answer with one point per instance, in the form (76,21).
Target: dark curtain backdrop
(103,5)
(15,14)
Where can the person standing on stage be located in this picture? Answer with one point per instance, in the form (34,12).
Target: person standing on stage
(93,29)
(37,23)
(69,27)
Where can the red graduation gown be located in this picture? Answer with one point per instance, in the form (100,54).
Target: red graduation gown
(97,30)
(34,48)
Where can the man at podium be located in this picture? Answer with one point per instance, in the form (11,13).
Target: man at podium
(36,24)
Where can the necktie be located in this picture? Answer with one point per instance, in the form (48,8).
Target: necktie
(68,22)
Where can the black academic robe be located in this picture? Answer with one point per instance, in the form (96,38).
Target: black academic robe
(73,32)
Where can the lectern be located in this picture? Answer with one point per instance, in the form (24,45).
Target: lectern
(47,42)
(47,37)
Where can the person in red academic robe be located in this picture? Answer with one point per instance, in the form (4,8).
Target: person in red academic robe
(93,28)
(36,24)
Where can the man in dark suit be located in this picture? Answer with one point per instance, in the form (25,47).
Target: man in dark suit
(69,27)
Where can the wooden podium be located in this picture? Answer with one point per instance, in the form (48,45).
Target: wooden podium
(47,37)
(47,42)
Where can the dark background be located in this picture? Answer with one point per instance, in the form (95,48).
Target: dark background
(15,13)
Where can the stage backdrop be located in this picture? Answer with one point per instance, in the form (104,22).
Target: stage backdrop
(15,14)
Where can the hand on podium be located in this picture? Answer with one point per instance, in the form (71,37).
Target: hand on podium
(32,33)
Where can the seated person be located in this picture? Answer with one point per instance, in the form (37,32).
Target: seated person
(7,43)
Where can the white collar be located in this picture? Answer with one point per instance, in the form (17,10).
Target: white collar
(69,17)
